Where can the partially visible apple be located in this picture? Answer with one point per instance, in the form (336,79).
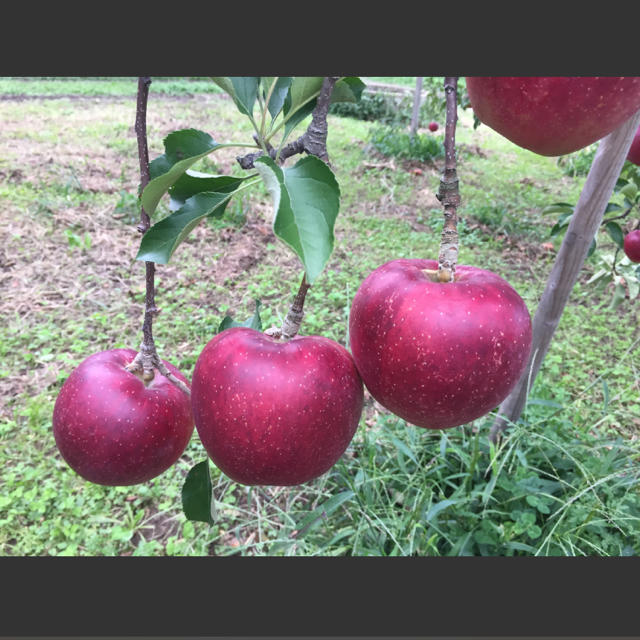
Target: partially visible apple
(275,413)
(554,116)
(632,245)
(112,428)
(438,354)
(634,150)
(433,126)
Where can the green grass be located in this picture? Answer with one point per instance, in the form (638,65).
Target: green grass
(564,481)
(97,87)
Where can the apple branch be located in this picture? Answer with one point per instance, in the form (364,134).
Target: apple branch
(147,359)
(313,141)
(582,228)
(448,193)
(293,319)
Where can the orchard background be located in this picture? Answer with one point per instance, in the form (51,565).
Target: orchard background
(564,481)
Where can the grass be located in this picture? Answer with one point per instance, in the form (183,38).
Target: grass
(564,481)
(103,87)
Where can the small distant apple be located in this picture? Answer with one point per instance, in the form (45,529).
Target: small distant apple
(632,245)
(438,354)
(433,126)
(553,116)
(114,429)
(270,412)
(634,150)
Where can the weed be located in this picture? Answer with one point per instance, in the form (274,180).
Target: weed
(399,143)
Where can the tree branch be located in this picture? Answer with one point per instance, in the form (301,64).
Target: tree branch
(448,193)
(313,141)
(293,319)
(147,359)
(584,224)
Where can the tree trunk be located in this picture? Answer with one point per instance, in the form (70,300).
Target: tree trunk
(415,117)
(584,224)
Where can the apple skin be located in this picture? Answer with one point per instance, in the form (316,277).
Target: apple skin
(634,150)
(433,126)
(275,413)
(438,354)
(114,430)
(632,245)
(553,116)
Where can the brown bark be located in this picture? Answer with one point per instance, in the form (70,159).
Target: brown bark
(147,359)
(448,193)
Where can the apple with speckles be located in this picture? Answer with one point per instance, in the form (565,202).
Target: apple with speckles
(553,116)
(632,245)
(438,354)
(274,412)
(634,150)
(114,429)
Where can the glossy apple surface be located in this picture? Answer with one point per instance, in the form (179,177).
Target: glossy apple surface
(438,354)
(270,412)
(112,429)
(634,150)
(553,116)
(632,245)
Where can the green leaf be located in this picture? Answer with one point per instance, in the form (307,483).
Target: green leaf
(592,248)
(254,322)
(619,294)
(534,531)
(438,507)
(300,101)
(558,207)
(319,513)
(306,200)
(348,90)
(633,286)
(181,149)
(482,537)
(246,90)
(197,494)
(296,118)
(159,243)
(612,207)
(630,190)
(616,233)
(242,89)
(191,183)
(605,393)
(302,91)
(563,221)
(278,93)
(401,446)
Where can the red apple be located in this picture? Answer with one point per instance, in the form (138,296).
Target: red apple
(275,413)
(634,150)
(438,354)
(553,116)
(632,245)
(112,428)
(433,126)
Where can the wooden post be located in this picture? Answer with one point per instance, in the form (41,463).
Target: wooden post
(584,224)
(415,117)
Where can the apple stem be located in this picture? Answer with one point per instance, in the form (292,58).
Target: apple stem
(147,359)
(448,193)
(293,319)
